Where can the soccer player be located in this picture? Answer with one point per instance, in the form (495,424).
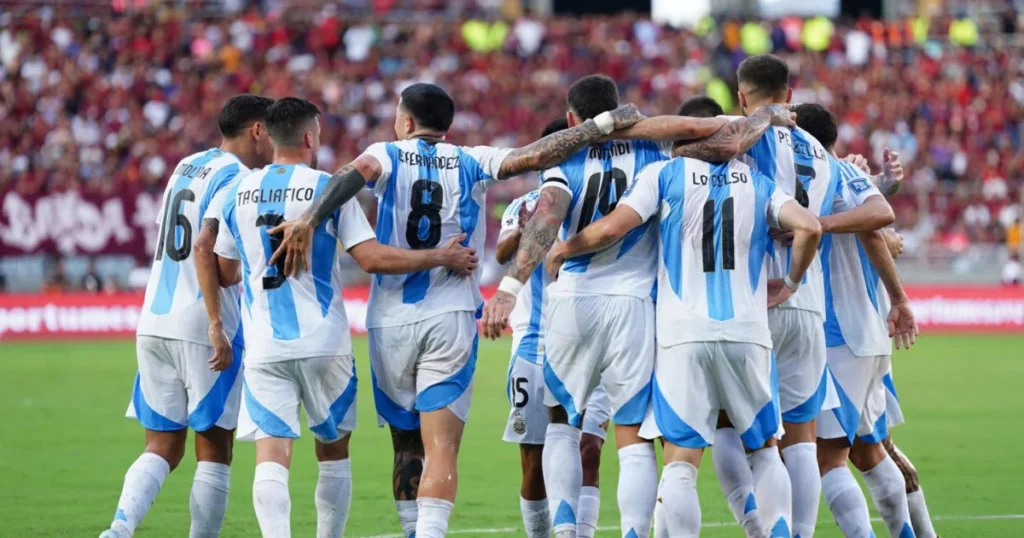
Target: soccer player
(599,322)
(422,325)
(528,418)
(178,385)
(714,343)
(299,350)
(857,333)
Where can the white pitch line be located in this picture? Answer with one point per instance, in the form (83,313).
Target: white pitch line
(710,524)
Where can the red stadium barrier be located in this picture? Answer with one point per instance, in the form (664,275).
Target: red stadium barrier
(71,316)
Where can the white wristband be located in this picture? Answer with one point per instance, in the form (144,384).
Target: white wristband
(605,123)
(790,284)
(510,285)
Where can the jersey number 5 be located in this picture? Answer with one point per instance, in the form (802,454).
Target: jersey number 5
(728,236)
(597,195)
(169,234)
(272,282)
(803,171)
(424,207)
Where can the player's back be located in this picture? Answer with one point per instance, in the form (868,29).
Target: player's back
(713,233)
(173,306)
(429,193)
(597,177)
(286,318)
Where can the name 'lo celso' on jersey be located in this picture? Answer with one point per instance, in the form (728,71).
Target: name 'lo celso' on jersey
(802,168)
(526,317)
(173,307)
(597,177)
(427,194)
(855,308)
(713,222)
(289,318)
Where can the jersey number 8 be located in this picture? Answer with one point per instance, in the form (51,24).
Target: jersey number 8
(426,199)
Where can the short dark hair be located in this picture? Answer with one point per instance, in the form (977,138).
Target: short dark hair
(240,112)
(429,105)
(559,124)
(286,119)
(700,106)
(591,95)
(764,74)
(818,122)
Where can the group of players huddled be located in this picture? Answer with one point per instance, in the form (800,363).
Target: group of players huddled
(694,278)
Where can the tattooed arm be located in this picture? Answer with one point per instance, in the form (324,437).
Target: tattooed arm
(671,128)
(210,281)
(297,235)
(557,147)
(736,137)
(537,238)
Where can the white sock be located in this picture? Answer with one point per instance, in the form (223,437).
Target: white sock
(407,516)
(333,497)
(638,489)
(660,530)
(433,517)
(773,489)
(563,475)
(847,503)
(271,500)
(536,518)
(141,485)
(736,479)
(889,491)
(919,517)
(209,499)
(679,496)
(589,510)
(802,463)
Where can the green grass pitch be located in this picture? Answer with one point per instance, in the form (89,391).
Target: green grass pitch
(64,448)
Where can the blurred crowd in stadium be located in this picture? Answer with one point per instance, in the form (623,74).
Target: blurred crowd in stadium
(107,102)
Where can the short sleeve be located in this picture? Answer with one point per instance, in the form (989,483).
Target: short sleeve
(380,152)
(554,177)
(775,203)
(225,246)
(853,187)
(644,194)
(215,210)
(489,159)
(510,219)
(353,228)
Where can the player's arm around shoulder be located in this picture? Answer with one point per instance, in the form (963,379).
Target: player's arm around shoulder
(858,205)
(791,216)
(736,137)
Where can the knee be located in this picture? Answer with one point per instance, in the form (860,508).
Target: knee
(335,451)
(830,455)
(866,456)
(215,445)
(171,452)
(590,452)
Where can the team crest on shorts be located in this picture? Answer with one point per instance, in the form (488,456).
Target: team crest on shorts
(518,423)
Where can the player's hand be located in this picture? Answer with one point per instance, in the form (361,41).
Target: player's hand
(781,116)
(296,242)
(778,292)
(859,161)
(496,314)
(782,236)
(222,355)
(902,325)
(892,168)
(894,241)
(626,116)
(524,216)
(554,260)
(458,258)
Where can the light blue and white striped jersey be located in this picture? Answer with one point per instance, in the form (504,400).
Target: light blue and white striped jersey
(289,318)
(174,307)
(597,177)
(713,222)
(427,194)
(526,316)
(854,309)
(800,166)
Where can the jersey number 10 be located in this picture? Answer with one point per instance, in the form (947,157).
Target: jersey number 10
(598,195)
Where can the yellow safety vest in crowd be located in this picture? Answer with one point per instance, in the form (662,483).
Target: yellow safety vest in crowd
(755,39)
(817,33)
(484,37)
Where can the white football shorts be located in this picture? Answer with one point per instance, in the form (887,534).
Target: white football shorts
(594,339)
(693,381)
(273,392)
(798,340)
(862,397)
(175,387)
(423,366)
(893,412)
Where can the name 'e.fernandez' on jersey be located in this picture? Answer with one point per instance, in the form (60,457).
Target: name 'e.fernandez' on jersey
(526,317)
(427,194)
(597,177)
(803,169)
(173,307)
(289,318)
(713,222)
